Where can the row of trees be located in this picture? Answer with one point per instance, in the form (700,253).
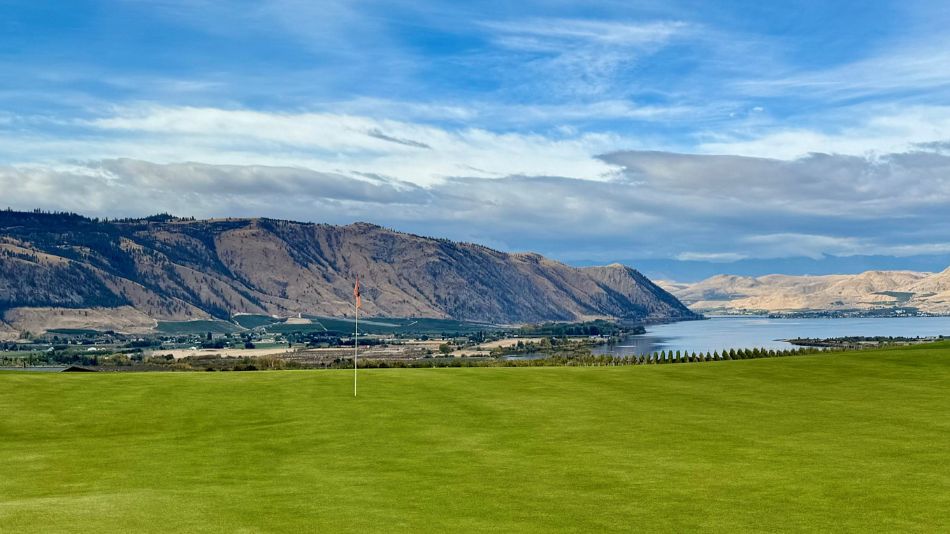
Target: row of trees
(589,360)
(590,328)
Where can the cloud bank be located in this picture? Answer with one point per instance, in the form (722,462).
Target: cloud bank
(649,204)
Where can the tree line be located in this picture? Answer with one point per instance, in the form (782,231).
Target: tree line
(591,360)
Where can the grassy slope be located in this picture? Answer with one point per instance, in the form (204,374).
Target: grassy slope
(857,442)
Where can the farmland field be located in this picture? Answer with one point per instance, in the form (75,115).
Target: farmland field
(72,331)
(370,325)
(253,320)
(196,327)
(845,441)
(402,325)
(284,328)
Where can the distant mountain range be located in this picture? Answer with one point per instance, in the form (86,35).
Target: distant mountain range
(871,290)
(65,270)
(692,271)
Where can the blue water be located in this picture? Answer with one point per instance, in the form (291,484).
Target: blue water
(718,333)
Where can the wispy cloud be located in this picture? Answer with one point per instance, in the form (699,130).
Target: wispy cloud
(859,130)
(496,115)
(330,142)
(551,35)
(716,257)
(578,57)
(915,68)
(375,132)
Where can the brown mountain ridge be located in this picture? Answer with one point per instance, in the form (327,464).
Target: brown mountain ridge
(128,274)
(871,290)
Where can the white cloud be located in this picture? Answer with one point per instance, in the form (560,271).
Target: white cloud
(835,186)
(807,245)
(913,66)
(327,142)
(504,116)
(716,257)
(817,246)
(549,34)
(576,57)
(865,130)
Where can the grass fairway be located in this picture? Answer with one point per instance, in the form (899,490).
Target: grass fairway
(846,442)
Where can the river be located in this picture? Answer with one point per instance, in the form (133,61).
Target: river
(717,333)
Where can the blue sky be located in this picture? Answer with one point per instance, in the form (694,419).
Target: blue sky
(684,135)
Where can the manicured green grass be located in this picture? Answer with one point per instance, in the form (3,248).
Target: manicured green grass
(854,442)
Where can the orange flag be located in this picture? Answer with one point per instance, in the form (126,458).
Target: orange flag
(356,294)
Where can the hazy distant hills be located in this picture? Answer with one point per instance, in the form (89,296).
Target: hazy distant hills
(60,270)
(927,292)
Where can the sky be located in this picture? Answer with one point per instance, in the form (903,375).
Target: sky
(690,137)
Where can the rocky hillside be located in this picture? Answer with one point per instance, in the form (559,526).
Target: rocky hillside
(927,292)
(130,273)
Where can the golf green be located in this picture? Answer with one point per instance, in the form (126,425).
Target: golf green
(838,442)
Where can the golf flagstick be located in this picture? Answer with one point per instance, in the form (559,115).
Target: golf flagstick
(356,331)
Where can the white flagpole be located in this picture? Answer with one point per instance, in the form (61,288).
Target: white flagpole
(356,344)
